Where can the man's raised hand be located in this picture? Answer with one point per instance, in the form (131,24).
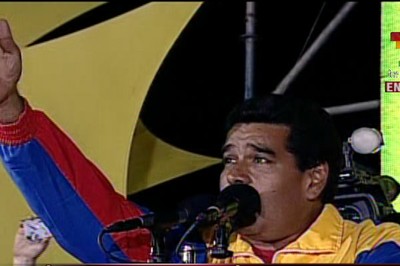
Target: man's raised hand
(11,104)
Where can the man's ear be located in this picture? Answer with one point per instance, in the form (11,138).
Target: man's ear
(316,179)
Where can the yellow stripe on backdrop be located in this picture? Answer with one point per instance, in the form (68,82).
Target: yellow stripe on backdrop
(32,20)
(93,83)
(152,161)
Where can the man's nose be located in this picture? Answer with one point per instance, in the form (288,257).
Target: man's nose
(239,175)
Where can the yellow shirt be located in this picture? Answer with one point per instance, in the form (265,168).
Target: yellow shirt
(330,239)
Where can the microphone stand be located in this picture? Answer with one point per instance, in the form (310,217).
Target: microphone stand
(220,246)
(157,249)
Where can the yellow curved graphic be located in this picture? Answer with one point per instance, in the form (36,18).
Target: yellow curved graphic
(93,82)
(153,161)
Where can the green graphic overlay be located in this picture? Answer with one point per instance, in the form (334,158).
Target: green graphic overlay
(390,101)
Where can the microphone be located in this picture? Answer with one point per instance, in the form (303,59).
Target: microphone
(236,205)
(187,211)
(238,202)
(160,220)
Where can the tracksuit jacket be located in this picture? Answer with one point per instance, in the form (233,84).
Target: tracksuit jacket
(76,201)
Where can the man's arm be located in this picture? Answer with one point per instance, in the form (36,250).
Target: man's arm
(384,253)
(73,198)
(379,244)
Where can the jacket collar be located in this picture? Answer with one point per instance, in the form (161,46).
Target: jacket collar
(324,235)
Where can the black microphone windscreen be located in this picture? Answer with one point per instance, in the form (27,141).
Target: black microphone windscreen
(249,203)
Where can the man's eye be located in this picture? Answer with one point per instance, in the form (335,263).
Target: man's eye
(228,160)
(261,160)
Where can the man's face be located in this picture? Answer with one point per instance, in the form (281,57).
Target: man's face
(256,154)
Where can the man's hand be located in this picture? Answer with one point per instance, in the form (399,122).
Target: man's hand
(26,251)
(11,104)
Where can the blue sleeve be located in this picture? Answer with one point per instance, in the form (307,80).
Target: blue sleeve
(67,191)
(388,252)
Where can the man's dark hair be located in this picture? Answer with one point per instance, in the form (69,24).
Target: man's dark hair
(313,138)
